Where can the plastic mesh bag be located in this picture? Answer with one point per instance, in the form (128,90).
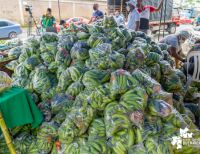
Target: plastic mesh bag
(41,81)
(22,142)
(165,67)
(21,71)
(153,71)
(80,51)
(135,99)
(97,129)
(135,58)
(116,60)
(99,146)
(159,108)
(12,65)
(47,57)
(5,81)
(100,97)
(14,52)
(167,97)
(75,88)
(3,146)
(46,135)
(121,81)
(147,82)
(63,57)
(122,140)
(67,131)
(94,78)
(152,58)
(31,62)
(49,37)
(60,102)
(172,83)
(139,148)
(115,118)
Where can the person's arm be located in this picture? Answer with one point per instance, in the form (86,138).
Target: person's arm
(92,19)
(175,54)
(159,7)
(42,21)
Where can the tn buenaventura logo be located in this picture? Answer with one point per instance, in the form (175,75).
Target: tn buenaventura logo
(185,138)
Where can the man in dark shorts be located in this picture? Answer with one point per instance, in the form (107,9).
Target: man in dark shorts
(145,12)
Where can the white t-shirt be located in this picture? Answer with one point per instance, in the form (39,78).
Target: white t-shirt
(133,17)
(119,19)
(144,16)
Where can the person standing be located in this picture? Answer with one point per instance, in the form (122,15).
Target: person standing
(118,18)
(198,20)
(175,42)
(145,14)
(97,14)
(48,20)
(133,16)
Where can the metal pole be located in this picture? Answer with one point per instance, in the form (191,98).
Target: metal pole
(160,22)
(21,11)
(59,9)
(122,2)
(6,135)
(164,17)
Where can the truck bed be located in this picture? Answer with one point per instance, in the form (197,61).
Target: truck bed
(156,16)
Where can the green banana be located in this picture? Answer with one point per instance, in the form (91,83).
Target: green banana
(138,135)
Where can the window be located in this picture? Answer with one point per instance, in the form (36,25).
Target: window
(3,24)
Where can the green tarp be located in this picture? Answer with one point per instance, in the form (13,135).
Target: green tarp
(18,108)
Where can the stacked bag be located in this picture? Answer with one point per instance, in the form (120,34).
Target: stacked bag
(101,89)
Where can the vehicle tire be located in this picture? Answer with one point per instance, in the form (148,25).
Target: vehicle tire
(12,35)
(171,28)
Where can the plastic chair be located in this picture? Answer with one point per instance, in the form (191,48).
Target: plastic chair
(196,72)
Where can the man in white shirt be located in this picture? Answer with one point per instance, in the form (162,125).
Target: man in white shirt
(118,18)
(134,16)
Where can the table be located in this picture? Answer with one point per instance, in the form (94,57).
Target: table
(18,108)
(3,63)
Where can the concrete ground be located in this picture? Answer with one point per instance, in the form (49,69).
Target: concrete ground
(24,35)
